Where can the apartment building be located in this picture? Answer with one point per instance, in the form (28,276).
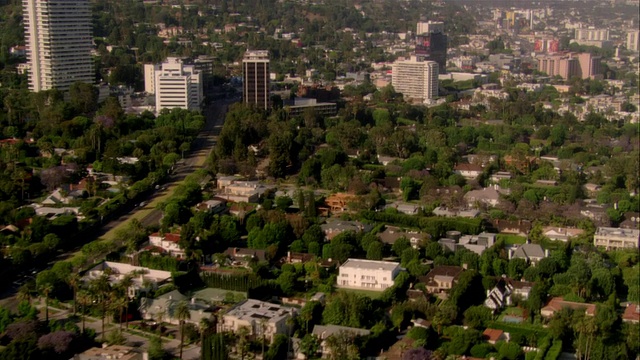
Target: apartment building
(59,41)
(175,84)
(616,238)
(367,274)
(592,34)
(259,317)
(415,79)
(633,40)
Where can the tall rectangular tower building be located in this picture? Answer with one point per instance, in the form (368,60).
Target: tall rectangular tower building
(59,42)
(255,72)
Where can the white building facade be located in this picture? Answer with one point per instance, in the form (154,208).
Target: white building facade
(633,40)
(175,84)
(259,317)
(616,238)
(416,79)
(59,41)
(426,27)
(367,274)
(592,34)
(167,242)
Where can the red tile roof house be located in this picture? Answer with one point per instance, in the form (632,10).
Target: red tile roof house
(632,313)
(494,335)
(167,242)
(557,303)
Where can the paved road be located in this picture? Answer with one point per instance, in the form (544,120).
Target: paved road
(202,147)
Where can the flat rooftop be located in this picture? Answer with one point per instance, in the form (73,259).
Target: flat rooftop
(370,264)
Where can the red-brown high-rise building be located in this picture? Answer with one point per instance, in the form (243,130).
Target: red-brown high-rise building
(256,84)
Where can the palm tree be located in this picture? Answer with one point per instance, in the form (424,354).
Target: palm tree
(205,327)
(263,328)
(100,289)
(181,312)
(74,281)
(119,304)
(24,293)
(84,299)
(46,289)
(241,345)
(124,285)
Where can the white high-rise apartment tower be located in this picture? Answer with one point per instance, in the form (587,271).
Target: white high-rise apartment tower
(633,40)
(59,42)
(416,79)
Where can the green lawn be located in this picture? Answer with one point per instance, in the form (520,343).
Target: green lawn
(512,239)
(368,293)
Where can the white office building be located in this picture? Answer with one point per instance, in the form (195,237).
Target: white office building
(175,84)
(59,41)
(415,79)
(633,40)
(367,274)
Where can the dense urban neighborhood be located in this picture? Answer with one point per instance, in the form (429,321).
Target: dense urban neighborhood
(331,179)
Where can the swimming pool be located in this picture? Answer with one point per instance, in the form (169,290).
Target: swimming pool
(512,319)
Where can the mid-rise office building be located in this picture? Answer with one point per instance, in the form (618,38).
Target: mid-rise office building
(633,40)
(175,84)
(568,65)
(592,34)
(431,43)
(59,41)
(415,79)
(428,27)
(256,84)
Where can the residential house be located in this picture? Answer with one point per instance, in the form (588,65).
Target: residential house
(214,206)
(297,258)
(494,335)
(531,253)
(631,221)
(405,208)
(322,332)
(631,313)
(561,233)
(501,175)
(243,191)
(475,243)
(592,189)
(501,294)
(167,242)
(489,196)
(334,227)
(259,317)
(223,181)
(558,303)
(386,160)
(143,279)
(468,171)
(57,197)
(244,256)
(242,210)
(391,234)
(340,202)
(112,352)
(367,274)
(162,308)
(447,212)
(441,278)
(54,212)
(616,238)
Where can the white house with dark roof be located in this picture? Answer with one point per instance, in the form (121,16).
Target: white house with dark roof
(468,171)
(367,274)
(531,253)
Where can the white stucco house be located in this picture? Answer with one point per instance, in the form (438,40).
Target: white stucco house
(367,274)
